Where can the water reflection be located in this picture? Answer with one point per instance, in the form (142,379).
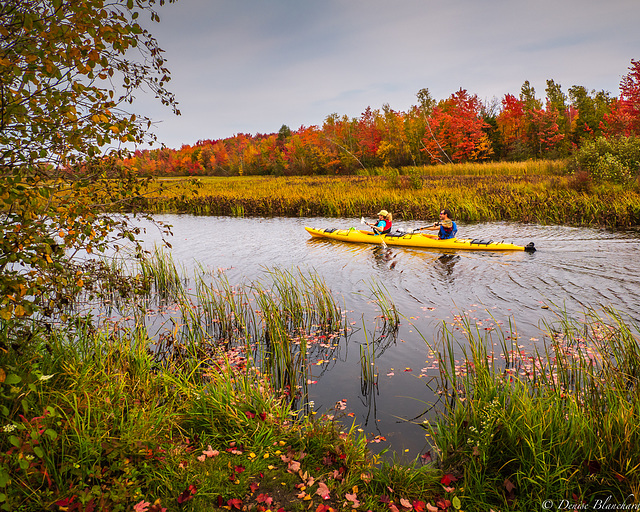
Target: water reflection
(572,267)
(445,269)
(384,257)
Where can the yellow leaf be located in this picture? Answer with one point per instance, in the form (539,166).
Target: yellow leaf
(115,129)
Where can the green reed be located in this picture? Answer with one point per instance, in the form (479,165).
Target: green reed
(521,428)
(368,371)
(389,318)
(160,270)
(271,321)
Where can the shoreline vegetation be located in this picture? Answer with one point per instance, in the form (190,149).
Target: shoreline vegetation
(529,192)
(103,414)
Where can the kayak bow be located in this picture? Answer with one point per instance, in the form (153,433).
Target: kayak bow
(403,239)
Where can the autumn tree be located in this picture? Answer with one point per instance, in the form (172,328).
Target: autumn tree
(69,73)
(456,130)
(624,117)
(591,108)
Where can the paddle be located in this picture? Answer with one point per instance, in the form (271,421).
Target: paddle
(377,231)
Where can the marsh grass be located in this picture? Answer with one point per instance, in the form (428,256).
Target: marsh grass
(561,423)
(193,416)
(388,321)
(537,191)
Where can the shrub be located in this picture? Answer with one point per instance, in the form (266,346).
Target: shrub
(616,159)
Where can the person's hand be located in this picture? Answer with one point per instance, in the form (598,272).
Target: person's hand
(435,224)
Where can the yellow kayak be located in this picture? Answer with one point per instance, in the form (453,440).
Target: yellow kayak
(411,239)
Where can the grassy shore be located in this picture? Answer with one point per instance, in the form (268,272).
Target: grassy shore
(208,412)
(537,192)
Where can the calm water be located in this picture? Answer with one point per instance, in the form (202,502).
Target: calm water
(572,268)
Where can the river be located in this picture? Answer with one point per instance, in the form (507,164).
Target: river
(573,268)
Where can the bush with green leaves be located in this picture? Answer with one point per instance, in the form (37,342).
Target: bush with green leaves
(615,159)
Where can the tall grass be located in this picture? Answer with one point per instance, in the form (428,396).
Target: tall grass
(561,423)
(194,416)
(527,192)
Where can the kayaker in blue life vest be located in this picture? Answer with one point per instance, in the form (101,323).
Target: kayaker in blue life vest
(446,227)
(383,225)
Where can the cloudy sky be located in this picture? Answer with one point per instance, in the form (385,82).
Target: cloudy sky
(250,66)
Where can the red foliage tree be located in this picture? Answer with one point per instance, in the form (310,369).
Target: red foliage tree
(456,130)
(624,118)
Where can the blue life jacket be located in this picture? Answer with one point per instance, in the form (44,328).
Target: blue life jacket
(445,233)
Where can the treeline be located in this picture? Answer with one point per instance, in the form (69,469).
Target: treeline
(461,128)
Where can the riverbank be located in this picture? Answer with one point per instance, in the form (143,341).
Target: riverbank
(530,192)
(110,416)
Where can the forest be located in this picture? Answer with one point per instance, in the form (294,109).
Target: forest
(461,128)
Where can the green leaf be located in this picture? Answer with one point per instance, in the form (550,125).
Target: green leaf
(38,451)
(456,503)
(12,379)
(51,433)
(15,441)
(5,478)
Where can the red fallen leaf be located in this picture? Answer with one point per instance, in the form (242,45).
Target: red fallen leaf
(426,457)
(324,508)
(443,504)
(264,498)
(353,498)
(220,501)
(384,498)
(619,477)
(187,494)
(293,466)
(508,485)
(393,508)
(447,479)
(250,415)
(238,469)
(593,466)
(323,491)
(235,502)
(263,416)
(406,503)
(418,505)
(254,486)
(65,502)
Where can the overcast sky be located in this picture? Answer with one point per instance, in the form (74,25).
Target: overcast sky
(250,66)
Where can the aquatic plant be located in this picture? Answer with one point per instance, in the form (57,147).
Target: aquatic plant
(520,427)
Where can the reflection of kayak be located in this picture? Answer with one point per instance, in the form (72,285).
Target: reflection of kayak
(415,240)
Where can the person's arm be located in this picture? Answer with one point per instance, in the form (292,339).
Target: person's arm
(433,227)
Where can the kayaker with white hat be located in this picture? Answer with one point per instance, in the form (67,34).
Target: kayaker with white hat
(383,225)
